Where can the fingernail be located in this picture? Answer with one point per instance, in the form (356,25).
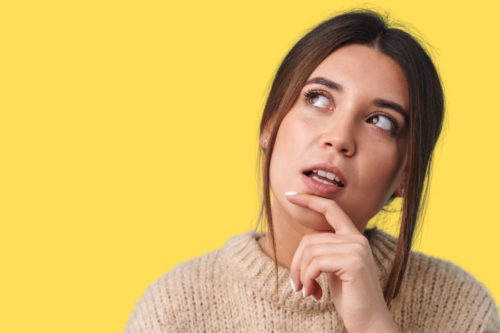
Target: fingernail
(290,193)
(316,299)
(293,285)
(303,292)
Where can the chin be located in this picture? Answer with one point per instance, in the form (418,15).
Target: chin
(309,219)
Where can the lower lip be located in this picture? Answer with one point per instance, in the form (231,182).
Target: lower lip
(320,188)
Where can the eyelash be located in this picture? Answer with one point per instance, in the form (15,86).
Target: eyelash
(314,92)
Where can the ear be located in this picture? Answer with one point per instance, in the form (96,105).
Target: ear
(401,190)
(264,137)
(264,140)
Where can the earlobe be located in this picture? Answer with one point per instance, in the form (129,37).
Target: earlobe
(401,189)
(264,139)
(400,192)
(263,142)
(266,133)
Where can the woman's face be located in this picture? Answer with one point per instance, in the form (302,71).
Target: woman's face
(345,116)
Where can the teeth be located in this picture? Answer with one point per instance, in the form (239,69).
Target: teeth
(324,181)
(329,175)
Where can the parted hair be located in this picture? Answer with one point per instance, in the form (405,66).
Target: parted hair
(426,113)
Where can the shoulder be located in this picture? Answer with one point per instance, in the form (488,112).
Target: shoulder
(166,302)
(449,291)
(440,291)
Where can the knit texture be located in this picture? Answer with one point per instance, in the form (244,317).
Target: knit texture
(232,289)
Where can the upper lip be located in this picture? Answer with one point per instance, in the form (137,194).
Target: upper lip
(327,167)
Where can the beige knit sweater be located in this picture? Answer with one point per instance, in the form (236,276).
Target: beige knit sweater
(231,290)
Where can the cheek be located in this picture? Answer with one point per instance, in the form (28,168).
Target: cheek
(377,179)
(380,172)
(290,139)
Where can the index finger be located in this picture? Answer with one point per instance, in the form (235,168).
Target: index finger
(336,217)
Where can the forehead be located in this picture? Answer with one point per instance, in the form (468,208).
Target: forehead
(364,70)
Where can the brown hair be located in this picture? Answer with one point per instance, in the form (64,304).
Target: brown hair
(426,108)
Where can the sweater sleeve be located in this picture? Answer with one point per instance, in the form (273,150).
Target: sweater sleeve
(476,310)
(151,313)
(482,315)
(443,297)
(490,322)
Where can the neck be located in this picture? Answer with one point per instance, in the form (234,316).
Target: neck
(257,268)
(287,233)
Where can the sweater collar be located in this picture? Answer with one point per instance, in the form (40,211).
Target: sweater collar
(257,270)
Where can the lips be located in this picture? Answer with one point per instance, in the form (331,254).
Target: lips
(326,167)
(321,189)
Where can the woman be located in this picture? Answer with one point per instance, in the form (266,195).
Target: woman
(351,122)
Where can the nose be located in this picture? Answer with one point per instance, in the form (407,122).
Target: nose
(339,135)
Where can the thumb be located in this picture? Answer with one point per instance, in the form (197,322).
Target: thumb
(318,292)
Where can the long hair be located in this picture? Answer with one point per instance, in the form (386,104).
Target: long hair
(426,113)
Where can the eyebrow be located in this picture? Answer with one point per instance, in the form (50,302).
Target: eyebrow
(382,103)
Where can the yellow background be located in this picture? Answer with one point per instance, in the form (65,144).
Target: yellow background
(128,139)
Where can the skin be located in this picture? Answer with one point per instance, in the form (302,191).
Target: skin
(315,234)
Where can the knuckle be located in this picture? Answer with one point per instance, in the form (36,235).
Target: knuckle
(313,267)
(359,248)
(361,239)
(329,213)
(357,263)
(364,241)
(306,239)
(306,254)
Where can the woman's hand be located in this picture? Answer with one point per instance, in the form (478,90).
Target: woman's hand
(345,255)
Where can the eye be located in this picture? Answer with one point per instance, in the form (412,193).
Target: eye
(387,123)
(318,98)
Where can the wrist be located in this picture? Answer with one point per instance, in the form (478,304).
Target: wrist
(383,323)
(386,327)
